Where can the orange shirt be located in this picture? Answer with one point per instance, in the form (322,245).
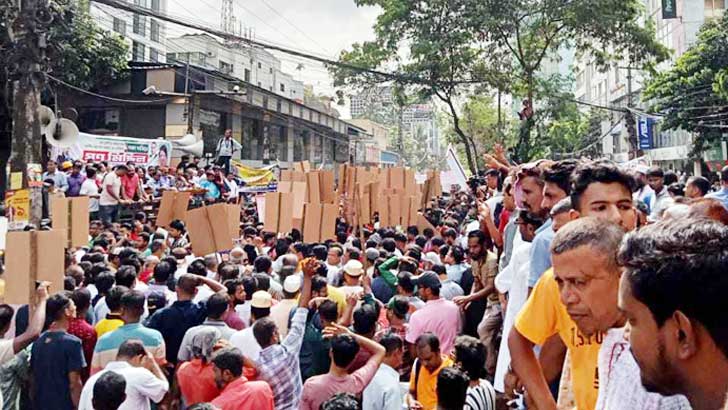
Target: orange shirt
(197,382)
(242,394)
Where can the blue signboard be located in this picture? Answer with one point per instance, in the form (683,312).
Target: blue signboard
(645,132)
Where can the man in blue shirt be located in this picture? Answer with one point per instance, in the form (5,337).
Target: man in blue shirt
(555,182)
(721,195)
(59,178)
(57,359)
(174,321)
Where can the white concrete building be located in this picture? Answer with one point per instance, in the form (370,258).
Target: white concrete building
(146,36)
(252,65)
(419,120)
(667,148)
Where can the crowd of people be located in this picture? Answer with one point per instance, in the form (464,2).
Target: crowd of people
(553,284)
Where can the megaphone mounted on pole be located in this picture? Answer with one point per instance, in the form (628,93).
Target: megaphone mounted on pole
(61,133)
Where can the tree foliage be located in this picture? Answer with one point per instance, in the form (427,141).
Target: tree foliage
(435,53)
(533,30)
(693,94)
(441,48)
(84,54)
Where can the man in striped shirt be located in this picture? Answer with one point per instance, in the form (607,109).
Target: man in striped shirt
(132,309)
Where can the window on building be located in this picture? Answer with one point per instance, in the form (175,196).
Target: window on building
(260,65)
(139,25)
(138,50)
(154,55)
(154,30)
(259,85)
(283,88)
(155,5)
(270,70)
(617,79)
(120,26)
(226,67)
(246,75)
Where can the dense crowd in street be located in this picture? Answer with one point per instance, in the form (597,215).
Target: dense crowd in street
(553,284)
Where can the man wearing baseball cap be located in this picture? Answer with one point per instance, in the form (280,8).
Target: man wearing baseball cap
(439,316)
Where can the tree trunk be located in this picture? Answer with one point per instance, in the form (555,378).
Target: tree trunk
(26,142)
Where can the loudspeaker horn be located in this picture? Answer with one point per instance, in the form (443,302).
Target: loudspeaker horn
(198,148)
(63,135)
(188,139)
(47,119)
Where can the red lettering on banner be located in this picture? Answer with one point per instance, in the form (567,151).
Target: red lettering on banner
(95,156)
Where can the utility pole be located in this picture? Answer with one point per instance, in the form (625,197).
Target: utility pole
(27,25)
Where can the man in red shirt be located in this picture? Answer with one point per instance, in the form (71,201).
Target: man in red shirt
(237,392)
(82,329)
(130,184)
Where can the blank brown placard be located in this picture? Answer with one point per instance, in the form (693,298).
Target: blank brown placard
(19,280)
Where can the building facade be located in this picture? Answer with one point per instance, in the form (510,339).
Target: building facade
(146,36)
(418,120)
(271,129)
(621,86)
(252,65)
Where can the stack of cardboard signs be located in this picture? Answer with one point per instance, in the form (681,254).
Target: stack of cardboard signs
(399,199)
(431,189)
(306,200)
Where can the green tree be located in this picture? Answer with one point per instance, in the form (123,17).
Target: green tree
(533,30)
(693,94)
(435,53)
(83,54)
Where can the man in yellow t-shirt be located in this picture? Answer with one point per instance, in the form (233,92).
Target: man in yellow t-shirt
(423,379)
(543,316)
(601,190)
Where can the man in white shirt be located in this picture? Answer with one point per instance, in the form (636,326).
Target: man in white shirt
(383,392)
(660,199)
(110,197)
(226,147)
(144,379)
(91,190)
(244,339)
(333,264)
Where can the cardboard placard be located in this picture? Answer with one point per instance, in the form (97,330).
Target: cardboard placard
(313,188)
(210,229)
(319,223)
(303,166)
(278,212)
(233,212)
(396,178)
(409,215)
(29,257)
(299,191)
(70,215)
(395,210)
(384,216)
(326,181)
(173,206)
(410,184)
(292,175)
(363,208)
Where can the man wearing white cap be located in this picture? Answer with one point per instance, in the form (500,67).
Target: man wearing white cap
(244,340)
(353,270)
(430,259)
(282,310)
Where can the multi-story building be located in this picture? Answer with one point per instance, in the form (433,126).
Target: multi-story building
(418,120)
(146,36)
(252,65)
(621,86)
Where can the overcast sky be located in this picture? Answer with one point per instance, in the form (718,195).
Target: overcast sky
(324,27)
